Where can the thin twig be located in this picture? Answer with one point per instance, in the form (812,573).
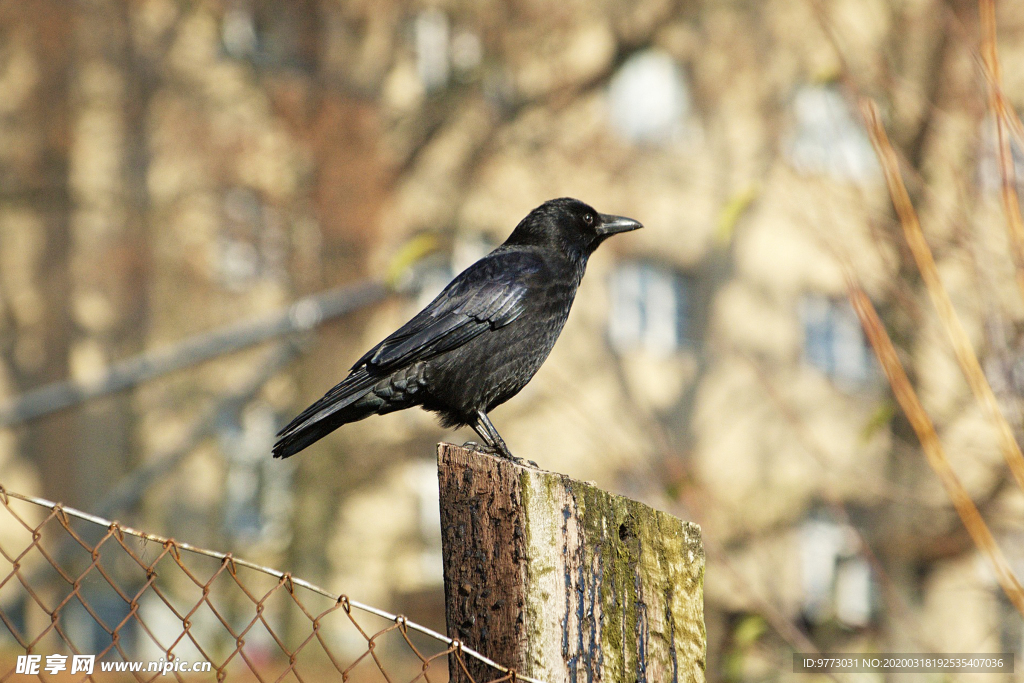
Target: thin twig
(940,297)
(1012,119)
(998,106)
(926,434)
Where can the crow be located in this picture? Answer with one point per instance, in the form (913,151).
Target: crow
(479,342)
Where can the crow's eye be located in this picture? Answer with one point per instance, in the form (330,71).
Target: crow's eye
(588,218)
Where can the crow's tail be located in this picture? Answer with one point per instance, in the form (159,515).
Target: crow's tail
(343,404)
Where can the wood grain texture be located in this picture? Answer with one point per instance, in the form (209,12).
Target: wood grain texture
(482,536)
(564,581)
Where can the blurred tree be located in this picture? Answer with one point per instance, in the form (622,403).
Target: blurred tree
(38,212)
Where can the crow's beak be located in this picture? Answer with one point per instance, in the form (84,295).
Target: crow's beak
(613,224)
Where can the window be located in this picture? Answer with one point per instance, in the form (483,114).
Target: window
(834,341)
(421,478)
(1010,627)
(650,308)
(853,593)
(837,580)
(251,242)
(989,175)
(431,273)
(1011,631)
(828,139)
(428,283)
(271,35)
(431,33)
(649,98)
(257,490)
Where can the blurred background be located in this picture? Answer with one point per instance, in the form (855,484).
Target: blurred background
(175,174)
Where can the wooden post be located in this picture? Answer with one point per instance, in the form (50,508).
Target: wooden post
(563,581)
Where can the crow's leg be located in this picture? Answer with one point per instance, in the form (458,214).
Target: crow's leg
(490,435)
(495,444)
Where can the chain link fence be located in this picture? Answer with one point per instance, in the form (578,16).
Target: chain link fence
(74,584)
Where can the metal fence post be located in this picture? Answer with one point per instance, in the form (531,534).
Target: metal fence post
(564,581)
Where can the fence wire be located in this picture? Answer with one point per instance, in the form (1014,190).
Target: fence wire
(76,584)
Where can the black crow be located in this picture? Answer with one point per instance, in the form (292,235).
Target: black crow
(479,342)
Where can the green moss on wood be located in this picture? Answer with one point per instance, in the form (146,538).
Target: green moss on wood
(642,569)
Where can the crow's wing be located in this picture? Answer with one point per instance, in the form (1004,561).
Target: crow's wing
(487,295)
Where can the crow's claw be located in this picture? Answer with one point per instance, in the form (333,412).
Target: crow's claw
(482,448)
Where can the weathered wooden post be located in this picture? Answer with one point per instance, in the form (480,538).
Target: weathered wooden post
(563,581)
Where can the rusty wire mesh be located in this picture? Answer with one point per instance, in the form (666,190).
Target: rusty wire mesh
(72,583)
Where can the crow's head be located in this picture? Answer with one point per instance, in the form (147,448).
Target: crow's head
(570,226)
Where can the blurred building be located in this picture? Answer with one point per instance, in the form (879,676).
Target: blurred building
(168,168)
